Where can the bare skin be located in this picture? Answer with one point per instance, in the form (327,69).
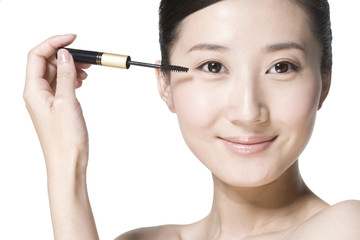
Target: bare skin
(50,99)
(301,216)
(340,221)
(269,199)
(258,192)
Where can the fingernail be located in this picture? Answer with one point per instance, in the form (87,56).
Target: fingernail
(63,56)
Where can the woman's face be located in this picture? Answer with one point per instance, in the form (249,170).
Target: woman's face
(248,104)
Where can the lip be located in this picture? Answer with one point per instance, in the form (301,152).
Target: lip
(248,145)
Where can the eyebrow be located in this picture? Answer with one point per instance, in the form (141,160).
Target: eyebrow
(283,46)
(270,48)
(208,47)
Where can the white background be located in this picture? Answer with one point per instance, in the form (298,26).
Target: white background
(140,172)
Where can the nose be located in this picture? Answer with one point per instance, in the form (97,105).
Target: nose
(246,102)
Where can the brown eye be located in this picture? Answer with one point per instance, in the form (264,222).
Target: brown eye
(282,67)
(212,67)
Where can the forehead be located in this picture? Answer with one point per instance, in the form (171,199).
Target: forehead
(242,24)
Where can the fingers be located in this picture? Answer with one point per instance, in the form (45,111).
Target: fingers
(52,71)
(81,76)
(50,77)
(66,76)
(82,65)
(38,56)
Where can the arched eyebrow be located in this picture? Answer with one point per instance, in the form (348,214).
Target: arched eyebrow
(283,46)
(270,48)
(208,47)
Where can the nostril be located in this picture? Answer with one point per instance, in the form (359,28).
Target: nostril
(250,113)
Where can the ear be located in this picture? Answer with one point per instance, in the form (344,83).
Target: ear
(164,88)
(326,82)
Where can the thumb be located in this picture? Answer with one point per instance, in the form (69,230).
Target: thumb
(66,75)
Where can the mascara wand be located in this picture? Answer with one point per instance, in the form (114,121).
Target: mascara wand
(115,60)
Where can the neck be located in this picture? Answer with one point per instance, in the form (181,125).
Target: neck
(274,207)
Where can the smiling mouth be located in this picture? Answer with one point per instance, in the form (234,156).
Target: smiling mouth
(248,145)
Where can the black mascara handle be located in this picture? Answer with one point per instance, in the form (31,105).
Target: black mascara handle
(83,56)
(114,60)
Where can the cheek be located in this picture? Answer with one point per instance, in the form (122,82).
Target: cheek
(295,113)
(299,106)
(195,106)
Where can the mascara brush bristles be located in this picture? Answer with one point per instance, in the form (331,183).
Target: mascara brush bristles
(163,67)
(174,68)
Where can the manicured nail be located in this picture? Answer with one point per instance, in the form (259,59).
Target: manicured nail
(63,56)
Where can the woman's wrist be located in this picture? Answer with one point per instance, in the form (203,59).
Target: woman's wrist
(70,163)
(71,212)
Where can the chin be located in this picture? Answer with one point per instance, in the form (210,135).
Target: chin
(250,176)
(242,182)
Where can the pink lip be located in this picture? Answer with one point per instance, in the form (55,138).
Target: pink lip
(248,145)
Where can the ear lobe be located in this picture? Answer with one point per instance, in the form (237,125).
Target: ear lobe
(326,82)
(164,88)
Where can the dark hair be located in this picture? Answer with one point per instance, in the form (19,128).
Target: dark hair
(172,12)
(318,12)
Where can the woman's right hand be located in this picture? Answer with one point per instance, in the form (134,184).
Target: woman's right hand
(57,116)
(51,102)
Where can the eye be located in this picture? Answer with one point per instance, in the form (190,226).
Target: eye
(212,67)
(283,67)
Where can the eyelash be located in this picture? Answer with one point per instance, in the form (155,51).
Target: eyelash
(221,70)
(290,67)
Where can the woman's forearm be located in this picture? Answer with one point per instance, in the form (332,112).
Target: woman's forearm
(71,213)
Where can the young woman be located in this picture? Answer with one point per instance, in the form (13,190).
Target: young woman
(259,72)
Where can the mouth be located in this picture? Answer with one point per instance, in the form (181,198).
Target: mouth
(248,145)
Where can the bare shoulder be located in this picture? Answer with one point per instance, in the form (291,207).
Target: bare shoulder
(165,232)
(340,221)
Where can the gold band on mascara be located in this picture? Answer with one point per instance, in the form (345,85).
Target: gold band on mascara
(115,60)
(98,59)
